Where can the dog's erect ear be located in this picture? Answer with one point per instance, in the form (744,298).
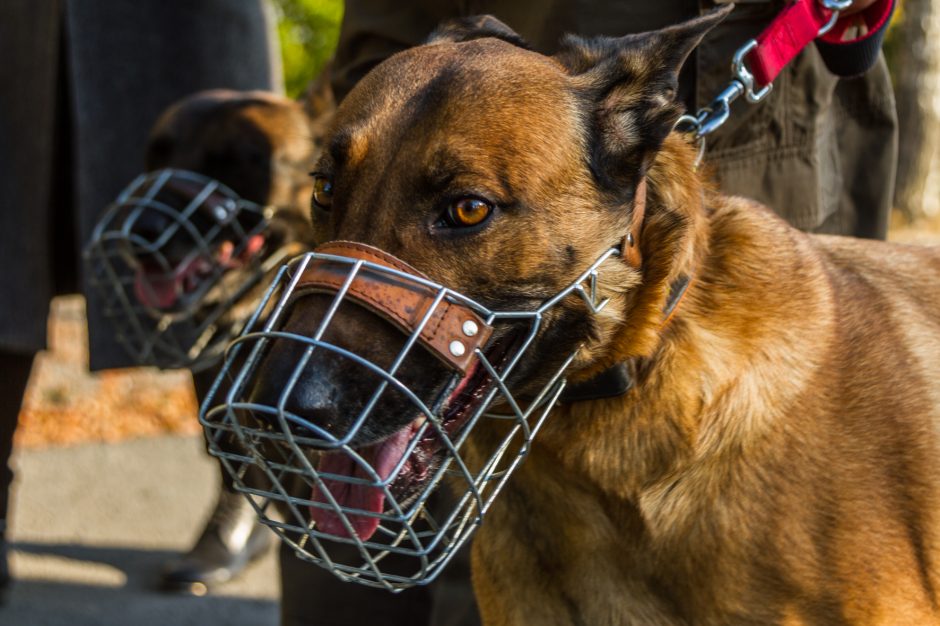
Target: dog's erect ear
(631,83)
(476,27)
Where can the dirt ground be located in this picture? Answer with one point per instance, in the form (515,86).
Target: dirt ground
(66,405)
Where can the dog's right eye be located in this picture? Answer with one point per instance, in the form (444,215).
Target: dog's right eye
(467,212)
(322,191)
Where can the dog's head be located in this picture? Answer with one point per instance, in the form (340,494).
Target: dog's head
(179,258)
(258,146)
(501,174)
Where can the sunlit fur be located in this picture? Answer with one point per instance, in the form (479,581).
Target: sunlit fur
(777,461)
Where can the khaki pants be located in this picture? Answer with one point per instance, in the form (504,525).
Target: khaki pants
(821,151)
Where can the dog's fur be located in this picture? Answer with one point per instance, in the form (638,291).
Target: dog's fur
(260,144)
(778,459)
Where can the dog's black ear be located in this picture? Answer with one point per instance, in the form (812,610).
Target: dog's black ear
(631,83)
(475,27)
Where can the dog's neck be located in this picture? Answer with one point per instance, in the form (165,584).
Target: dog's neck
(670,243)
(734,250)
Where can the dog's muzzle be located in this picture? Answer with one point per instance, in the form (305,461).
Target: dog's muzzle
(163,261)
(364,502)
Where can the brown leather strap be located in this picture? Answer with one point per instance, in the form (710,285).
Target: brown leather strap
(630,249)
(452,333)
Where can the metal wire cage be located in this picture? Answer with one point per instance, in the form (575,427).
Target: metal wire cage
(170,259)
(344,507)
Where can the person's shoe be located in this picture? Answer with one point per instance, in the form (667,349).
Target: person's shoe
(232,539)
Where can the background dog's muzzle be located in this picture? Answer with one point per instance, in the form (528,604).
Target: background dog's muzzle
(356,442)
(170,258)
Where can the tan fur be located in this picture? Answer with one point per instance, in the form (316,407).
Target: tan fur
(776,463)
(778,460)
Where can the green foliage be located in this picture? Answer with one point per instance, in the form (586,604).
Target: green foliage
(308,31)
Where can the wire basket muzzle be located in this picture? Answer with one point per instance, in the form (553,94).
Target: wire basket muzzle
(169,261)
(381,487)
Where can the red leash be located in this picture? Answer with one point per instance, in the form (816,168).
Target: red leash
(804,21)
(758,62)
(797,26)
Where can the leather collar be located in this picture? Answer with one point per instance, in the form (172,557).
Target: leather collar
(618,380)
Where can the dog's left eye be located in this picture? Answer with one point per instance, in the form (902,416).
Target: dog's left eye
(467,212)
(322,191)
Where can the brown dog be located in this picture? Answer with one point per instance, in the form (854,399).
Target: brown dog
(777,460)
(260,144)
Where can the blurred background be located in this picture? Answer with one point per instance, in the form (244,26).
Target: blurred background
(65,405)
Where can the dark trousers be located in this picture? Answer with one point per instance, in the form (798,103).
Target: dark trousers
(311,596)
(14,374)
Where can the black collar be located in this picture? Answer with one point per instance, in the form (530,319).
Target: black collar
(618,380)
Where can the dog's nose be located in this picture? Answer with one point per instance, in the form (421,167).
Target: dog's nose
(299,389)
(356,383)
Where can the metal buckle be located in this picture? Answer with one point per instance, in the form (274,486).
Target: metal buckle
(836,6)
(708,119)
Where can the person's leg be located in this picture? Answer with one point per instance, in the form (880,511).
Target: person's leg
(14,374)
(231,539)
(452,599)
(311,596)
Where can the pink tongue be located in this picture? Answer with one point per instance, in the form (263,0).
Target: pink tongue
(383,457)
(158,292)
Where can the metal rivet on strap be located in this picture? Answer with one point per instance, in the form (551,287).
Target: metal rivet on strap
(470,328)
(630,239)
(457,348)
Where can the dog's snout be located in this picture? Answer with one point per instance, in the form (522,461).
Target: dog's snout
(340,384)
(148,228)
(301,390)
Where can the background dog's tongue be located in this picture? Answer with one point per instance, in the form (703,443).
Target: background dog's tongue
(158,292)
(161,290)
(383,457)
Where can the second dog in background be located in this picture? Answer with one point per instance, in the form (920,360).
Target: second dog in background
(225,198)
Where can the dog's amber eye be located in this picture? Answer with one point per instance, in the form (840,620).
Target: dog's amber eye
(322,191)
(469,211)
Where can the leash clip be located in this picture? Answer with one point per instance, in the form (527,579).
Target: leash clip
(836,6)
(795,21)
(743,75)
(708,119)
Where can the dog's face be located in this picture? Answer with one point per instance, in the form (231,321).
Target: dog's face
(499,173)
(256,143)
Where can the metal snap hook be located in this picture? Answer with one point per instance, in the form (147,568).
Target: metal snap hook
(743,74)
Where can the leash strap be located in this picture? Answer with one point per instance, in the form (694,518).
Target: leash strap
(792,30)
(450,330)
(630,247)
(804,21)
(758,62)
